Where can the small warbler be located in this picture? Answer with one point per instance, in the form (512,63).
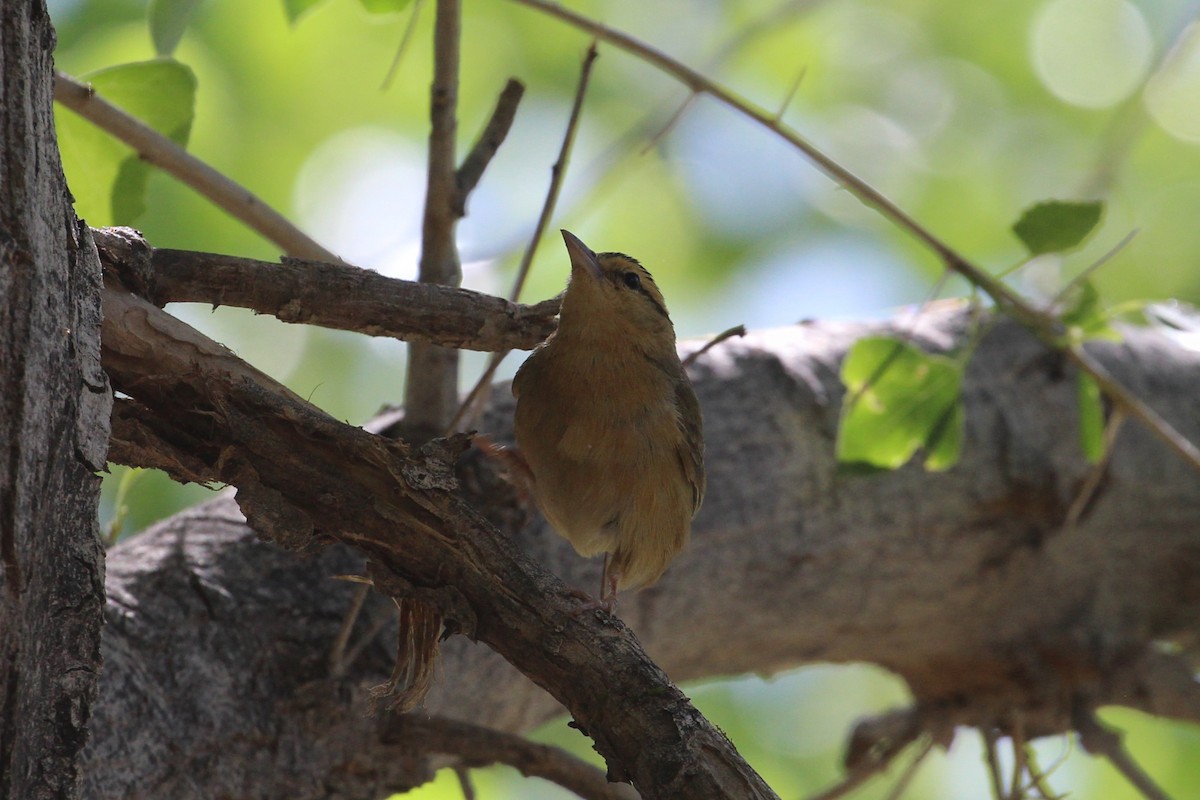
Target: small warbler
(608,424)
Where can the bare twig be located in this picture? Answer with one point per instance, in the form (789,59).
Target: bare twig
(337,653)
(464,782)
(791,94)
(854,779)
(910,771)
(476,746)
(494,133)
(736,330)
(431,391)
(470,408)
(156,149)
(1101,741)
(1016,789)
(1010,302)
(557,172)
(1096,474)
(990,757)
(330,295)
(405,41)
(1057,302)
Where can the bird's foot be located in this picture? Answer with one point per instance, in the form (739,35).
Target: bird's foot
(512,464)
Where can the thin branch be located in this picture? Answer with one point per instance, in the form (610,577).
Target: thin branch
(1009,301)
(338,662)
(494,133)
(335,296)
(992,760)
(1097,472)
(476,746)
(736,330)
(154,148)
(910,771)
(557,172)
(1017,739)
(405,41)
(1078,280)
(464,782)
(431,390)
(1101,741)
(791,94)
(854,779)
(471,406)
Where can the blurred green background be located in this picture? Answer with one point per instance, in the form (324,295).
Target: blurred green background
(964,114)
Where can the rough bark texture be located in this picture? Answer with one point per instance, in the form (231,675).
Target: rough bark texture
(54,412)
(966,583)
(305,479)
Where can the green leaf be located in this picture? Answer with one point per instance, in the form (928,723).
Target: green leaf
(1057,225)
(384,6)
(900,400)
(1084,315)
(106,177)
(168,20)
(1091,417)
(296,8)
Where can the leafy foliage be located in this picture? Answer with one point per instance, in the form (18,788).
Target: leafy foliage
(1056,225)
(168,20)
(901,400)
(107,177)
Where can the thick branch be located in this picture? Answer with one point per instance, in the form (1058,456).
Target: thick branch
(330,295)
(304,479)
(967,583)
(54,408)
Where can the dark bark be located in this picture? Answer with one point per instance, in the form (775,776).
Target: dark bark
(54,412)
(966,583)
(305,479)
(329,295)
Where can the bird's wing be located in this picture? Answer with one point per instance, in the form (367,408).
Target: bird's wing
(691,449)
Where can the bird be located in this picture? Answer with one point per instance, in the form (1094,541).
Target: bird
(608,424)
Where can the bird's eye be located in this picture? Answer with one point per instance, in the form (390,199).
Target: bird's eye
(632,280)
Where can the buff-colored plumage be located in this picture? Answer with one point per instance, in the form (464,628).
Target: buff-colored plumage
(609,425)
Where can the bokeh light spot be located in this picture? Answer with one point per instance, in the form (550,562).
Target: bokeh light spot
(1091,53)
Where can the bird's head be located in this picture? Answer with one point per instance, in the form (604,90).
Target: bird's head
(611,294)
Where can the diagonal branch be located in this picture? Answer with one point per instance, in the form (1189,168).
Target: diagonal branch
(304,479)
(1045,327)
(156,149)
(471,406)
(494,134)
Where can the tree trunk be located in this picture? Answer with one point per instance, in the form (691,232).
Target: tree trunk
(968,583)
(54,417)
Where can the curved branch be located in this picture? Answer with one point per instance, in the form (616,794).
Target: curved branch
(968,583)
(304,479)
(476,746)
(156,149)
(1045,326)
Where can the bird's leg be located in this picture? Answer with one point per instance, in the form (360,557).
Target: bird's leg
(516,469)
(609,578)
(608,591)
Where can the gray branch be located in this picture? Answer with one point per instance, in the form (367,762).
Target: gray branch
(965,583)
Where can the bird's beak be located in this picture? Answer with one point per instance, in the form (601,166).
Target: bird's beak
(582,258)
